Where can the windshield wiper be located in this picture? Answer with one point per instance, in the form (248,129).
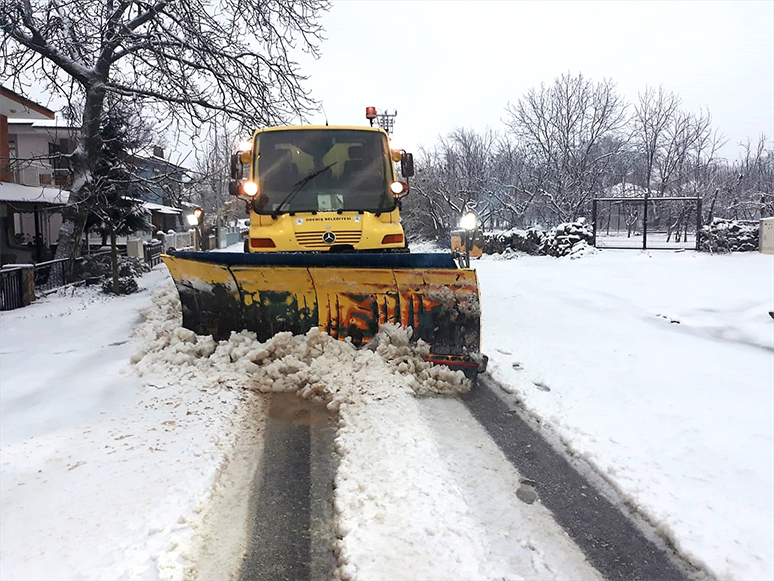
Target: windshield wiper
(297,188)
(381,201)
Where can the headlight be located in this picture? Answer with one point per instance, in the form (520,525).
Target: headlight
(398,187)
(468,221)
(250,188)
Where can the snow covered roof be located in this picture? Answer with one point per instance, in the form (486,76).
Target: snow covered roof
(10,192)
(161,208)
(12,103)
(625,190)
(45,124)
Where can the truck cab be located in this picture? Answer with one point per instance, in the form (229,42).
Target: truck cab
(322,189)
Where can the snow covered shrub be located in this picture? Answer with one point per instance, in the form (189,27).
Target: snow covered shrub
(729,236)
(561,240)
(126,285)
(98,266)
(132,266)
(528,241)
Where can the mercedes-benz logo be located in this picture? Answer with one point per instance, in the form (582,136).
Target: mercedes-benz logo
(329,238)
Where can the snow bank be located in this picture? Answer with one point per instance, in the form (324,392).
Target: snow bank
(315,365)
(102,478)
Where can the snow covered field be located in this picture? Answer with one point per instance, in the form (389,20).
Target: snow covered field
(657,368)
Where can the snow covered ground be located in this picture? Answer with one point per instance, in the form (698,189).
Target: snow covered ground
(100,476)
(658,369)
(119,431)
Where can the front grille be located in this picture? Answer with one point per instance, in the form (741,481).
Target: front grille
(315,239)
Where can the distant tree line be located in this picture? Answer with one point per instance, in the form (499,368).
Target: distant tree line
(573,140)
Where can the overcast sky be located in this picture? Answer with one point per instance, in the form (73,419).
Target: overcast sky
(448,64)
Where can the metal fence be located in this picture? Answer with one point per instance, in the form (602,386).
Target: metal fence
(56,273)
(652,223)
(11,289)
(152,252)
(52,274)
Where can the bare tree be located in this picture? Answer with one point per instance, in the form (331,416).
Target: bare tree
(571,128)
(187,58)
(209,188)
(652,116)
(456,175)
(746,189)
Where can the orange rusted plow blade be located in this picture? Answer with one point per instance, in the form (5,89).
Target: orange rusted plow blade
(345,295)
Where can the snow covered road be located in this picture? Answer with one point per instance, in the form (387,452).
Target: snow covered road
(654,370)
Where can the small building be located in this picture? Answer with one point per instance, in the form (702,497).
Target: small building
(766,238)
(29,200)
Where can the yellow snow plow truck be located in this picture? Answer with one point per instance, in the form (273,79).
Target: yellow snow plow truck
(326,249)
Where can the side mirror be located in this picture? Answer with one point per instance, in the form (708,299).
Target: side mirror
(407,165)
(236,168)
(233,188)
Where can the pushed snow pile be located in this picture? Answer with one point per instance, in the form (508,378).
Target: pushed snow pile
(315,365)
(386,452)
(567,239)
(729,236)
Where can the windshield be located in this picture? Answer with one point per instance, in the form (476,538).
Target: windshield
(322,170)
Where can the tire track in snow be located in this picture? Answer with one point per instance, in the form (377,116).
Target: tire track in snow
(525,536)
(610,540)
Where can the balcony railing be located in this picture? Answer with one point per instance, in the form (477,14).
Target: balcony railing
(40,174)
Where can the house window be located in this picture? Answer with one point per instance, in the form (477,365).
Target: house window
(54,151)
(57,155)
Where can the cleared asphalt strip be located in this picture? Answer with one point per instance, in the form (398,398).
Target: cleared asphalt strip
(293,518)
(610,540)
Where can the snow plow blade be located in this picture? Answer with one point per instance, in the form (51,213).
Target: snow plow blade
(345,295)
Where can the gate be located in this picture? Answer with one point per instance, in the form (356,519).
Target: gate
(52,274)
(152,252)
(647,223)
(11,289)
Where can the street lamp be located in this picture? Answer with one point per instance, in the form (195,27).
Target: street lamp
(196,220)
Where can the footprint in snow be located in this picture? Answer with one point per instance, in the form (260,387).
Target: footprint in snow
(542,386)
(503,351)
(526,492)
